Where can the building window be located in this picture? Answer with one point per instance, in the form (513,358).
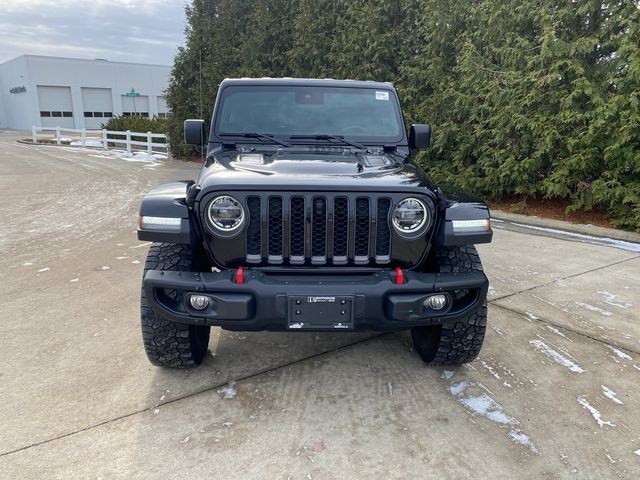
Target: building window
(44,113)
(108,114)
(88,114)
(135,114)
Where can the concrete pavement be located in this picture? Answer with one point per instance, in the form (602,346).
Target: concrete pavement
(554,394)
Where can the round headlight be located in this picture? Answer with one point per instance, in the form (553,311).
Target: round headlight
(225,214)
(409,216)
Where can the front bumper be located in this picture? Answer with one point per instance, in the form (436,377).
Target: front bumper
(264,300)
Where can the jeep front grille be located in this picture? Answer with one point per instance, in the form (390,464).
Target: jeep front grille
(318,229)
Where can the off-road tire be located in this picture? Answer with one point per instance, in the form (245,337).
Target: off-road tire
(167,343)
(460,342)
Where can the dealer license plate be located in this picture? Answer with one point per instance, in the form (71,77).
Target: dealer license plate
(320,312)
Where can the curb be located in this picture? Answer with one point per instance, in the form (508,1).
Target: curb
(583,229)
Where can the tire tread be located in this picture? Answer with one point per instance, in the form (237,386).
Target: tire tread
(167,343)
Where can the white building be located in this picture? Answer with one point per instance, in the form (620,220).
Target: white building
(76,93)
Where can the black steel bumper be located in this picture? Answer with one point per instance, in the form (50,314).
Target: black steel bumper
(279,302)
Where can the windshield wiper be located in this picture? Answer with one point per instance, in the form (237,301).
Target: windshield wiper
(260,136)
(338,138)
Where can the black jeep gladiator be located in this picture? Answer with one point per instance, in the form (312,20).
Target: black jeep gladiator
(309,214)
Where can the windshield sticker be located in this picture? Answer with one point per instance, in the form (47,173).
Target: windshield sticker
(382,95)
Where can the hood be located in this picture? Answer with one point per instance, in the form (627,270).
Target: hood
(325,168)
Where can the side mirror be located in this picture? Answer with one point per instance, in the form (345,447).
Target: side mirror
(419,136)
(194,132)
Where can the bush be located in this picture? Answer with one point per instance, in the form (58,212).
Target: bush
(139,125)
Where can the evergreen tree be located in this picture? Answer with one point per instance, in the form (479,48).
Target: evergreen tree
(533,98)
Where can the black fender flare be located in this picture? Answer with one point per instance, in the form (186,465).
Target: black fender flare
(457,204)
(168,201)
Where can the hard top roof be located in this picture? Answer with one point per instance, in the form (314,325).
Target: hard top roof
(307,82)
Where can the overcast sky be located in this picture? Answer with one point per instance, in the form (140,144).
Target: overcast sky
(147,31)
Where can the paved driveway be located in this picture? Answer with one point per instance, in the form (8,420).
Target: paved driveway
(555,392)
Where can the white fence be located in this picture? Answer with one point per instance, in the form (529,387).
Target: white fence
(100,138)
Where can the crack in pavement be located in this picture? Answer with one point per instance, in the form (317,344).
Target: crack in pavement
(190,395)
(577,332)
(550,282)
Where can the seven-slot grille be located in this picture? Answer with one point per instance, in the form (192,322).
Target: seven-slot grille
(318,229)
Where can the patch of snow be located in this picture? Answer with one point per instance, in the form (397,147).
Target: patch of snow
(490,369)
(104,267)
(447,374)
(121,258)
(610,298)
(497,330)
(27,264)
(150,159)
(227,424)
(531,316)
(611,395)
(45,269)
(296,325)
(459,388)
(609,242)
(390,388)
(88,143)
(141,245)
(136,262)
(597,416)
(492,291)
(485,406)
(523,439)
(73,280)
(637,452)
(556,331)
(228,391)
(606,313)
(556,356)
(185,439)
(619,353)
(156,411)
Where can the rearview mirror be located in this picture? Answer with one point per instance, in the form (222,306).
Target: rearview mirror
(194,132)
(419,136)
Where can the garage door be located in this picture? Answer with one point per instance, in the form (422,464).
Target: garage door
(162,107)
(55,106)
(135,106)
(97,106)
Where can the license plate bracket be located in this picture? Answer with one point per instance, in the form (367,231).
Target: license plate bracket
(320,312)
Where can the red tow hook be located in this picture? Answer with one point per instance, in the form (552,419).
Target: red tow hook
(399,276)
(240,275)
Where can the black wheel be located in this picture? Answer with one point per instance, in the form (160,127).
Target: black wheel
(457,343)
(167,343)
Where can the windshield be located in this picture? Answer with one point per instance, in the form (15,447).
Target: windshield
(362,114)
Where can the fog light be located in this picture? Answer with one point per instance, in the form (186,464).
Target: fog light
(436,302)
(199,302)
